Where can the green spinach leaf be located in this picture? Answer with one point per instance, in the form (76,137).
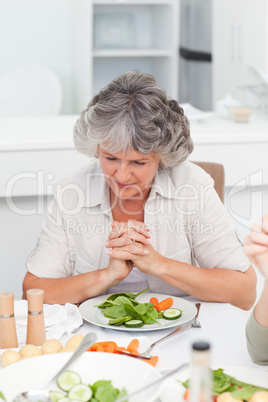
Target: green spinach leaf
(103,391)
(129,295)
(224,383)
(2,396)
(115,311)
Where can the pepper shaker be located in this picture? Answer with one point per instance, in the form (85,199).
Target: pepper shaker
(8,333)
(36,334)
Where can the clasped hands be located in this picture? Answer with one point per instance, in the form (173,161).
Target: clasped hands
(130,241)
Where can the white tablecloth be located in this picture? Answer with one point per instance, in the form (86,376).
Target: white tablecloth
(222,325)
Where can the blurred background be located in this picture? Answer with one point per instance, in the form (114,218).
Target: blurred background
(210,55)
(198,50)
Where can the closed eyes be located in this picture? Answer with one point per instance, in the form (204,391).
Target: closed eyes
(136,162)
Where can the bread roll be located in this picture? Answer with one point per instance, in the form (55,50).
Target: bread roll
(29,351)
(259,396)
(9,357)
(51,346)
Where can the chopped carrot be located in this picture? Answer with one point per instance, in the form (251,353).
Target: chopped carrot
(92,348)
(133,346)
(99,348)
(120,348)
(106,343)
(186,395)
(96,348)
(110,348)
(102,346)
(166,303)
(154,301)
(153,361)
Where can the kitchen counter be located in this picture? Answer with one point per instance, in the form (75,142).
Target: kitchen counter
(37,151)
(216,130)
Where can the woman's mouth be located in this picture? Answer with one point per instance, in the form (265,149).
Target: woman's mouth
(124,186)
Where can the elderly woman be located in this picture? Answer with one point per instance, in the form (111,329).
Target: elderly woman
(256,248)
(138,215)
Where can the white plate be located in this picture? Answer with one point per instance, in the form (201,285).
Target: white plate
(36,372)
(173,390)
(95,316)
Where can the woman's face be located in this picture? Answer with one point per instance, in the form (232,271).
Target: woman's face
(129,176)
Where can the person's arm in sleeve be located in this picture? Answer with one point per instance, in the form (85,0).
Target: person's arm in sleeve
(224,273)
(50,267)
(256,248)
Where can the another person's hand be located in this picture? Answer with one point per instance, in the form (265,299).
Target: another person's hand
(256,246)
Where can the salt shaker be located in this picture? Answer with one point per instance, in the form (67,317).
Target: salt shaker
(201,377)
(36,334)
(8,333)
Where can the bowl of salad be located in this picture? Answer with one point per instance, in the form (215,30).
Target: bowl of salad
(98,377)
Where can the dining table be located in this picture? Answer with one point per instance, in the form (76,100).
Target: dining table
(222,325)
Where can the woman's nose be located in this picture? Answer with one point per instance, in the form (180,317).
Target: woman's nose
(123,173)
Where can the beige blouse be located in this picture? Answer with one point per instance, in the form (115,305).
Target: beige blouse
(186,218)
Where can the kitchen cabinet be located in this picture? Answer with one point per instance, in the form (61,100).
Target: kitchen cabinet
(114,36)
(31,149)
(240,41)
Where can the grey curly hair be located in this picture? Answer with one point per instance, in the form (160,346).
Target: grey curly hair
(134,113)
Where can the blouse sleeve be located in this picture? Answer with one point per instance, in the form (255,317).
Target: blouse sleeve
(257,340)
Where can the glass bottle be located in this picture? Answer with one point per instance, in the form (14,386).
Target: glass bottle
(201,375)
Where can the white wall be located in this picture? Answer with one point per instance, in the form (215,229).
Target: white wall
(38,32)
(18,236)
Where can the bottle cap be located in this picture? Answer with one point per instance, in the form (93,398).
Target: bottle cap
(201,346)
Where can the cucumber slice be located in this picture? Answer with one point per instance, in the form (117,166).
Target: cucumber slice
(172,313)
(55,396)
(65,399)
(134,324)
(68,379)
(80,392)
